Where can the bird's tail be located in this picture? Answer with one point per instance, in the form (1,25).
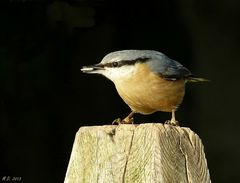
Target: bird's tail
(196,79)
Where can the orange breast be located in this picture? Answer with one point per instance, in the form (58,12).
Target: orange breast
(145,92)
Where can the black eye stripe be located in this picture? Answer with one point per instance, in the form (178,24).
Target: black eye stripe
(112,64)
(115,64)
(126,62)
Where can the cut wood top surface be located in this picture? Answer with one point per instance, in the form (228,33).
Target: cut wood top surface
(145,153)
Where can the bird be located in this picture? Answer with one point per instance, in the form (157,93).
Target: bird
(148,81)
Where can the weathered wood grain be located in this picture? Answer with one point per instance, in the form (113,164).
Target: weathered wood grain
(145,153)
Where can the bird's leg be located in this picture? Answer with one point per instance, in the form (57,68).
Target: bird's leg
(129,119)
(173,121)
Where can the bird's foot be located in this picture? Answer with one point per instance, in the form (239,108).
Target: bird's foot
(117,121)
(124,121)
(128,120)
(172,122)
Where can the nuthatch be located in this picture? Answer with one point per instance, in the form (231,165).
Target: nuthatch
(147,81)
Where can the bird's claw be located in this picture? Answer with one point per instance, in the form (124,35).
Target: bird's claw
(118,121)
(172,122)
(128,121)
(124,121)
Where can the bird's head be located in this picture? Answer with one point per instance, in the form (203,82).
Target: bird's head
(120,64)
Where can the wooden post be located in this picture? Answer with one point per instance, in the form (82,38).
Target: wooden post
(145,153)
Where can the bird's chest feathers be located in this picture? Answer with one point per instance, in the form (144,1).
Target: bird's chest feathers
(139,82)
(144,88)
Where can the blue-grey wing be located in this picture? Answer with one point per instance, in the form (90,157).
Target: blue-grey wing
(168,68)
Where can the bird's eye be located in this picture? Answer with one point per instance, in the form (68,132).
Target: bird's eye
(115,64)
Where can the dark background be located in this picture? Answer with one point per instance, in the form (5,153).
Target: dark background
(45,98)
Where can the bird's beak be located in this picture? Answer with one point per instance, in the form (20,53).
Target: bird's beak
(92,69)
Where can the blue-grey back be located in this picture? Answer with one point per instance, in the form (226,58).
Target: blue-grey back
(158,62)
